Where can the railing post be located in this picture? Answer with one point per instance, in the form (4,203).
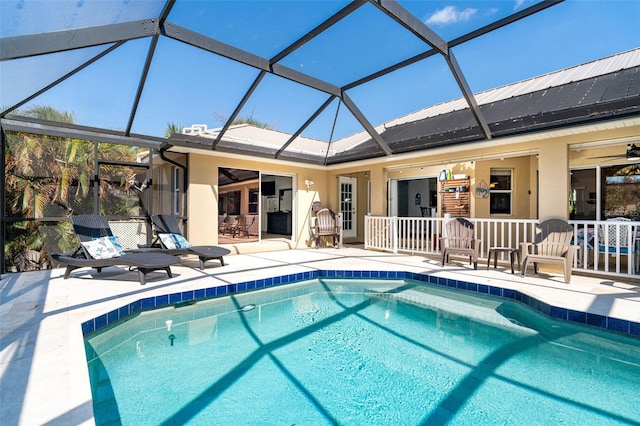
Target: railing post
(394,234)
(367,223)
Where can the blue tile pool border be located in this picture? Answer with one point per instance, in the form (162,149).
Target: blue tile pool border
(148,303)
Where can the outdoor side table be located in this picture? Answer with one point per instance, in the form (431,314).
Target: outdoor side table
(514,253)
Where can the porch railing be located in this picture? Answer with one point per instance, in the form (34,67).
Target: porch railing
(605,247)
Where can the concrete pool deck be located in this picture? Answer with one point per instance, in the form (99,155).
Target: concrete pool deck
(43,372)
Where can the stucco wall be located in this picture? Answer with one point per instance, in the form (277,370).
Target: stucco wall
(540,164)
(202,200)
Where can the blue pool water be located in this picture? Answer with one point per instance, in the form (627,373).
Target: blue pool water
(383,352)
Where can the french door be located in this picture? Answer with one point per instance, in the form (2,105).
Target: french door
(348,206)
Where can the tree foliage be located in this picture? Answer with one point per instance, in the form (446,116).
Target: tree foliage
(249,119)
(54,177)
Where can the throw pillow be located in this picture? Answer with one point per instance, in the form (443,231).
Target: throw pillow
(181,242)
(167,241)
(117,244)
(101,248)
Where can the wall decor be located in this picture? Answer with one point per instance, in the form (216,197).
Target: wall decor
(482,190)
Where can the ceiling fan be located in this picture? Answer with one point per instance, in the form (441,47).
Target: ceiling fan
(633,153)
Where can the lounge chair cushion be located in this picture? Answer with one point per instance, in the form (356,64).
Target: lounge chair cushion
(103,247)
(174,241)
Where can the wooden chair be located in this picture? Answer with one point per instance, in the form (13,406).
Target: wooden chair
(459,239)
(326,226)
(553,246)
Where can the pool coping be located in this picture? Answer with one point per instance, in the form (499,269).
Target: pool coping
(584,318)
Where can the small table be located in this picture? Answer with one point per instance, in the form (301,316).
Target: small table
(513,253)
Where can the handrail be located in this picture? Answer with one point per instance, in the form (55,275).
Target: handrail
(617,254)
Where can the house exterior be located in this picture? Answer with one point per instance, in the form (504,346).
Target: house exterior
(577,121)
(558,145)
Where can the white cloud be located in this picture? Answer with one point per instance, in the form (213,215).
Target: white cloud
(450,15)
(518,4)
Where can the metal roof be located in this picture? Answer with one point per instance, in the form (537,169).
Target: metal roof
(604,88)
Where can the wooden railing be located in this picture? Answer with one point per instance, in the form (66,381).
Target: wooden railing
(604,247)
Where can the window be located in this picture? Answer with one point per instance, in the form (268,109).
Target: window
(500,191)
(621,186)
(254,194)
(229,203)
(583,196)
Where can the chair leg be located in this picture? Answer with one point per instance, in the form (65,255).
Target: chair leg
(567,272)
(142,273)
(68,271)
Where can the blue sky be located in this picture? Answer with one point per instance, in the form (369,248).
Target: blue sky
(188,86)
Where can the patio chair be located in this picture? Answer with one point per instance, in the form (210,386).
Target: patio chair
(170,240)
(326,225)
(243,227)
(615,244)
(552,245)
(99,248)
(223,222)
(459,239)
(229,225)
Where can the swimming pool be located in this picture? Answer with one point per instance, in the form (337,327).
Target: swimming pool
(337,351)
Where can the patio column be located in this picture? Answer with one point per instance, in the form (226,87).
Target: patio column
(378,192)
(553,175)
(202,206)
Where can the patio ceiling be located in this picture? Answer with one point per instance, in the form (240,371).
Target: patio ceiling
(153,47)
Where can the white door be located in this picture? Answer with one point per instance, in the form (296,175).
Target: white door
(392,202)
(348,203)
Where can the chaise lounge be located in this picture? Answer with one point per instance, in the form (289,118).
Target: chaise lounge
(170,240)
(99,248)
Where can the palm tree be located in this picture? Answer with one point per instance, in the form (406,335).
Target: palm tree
(172,128)
(47,176)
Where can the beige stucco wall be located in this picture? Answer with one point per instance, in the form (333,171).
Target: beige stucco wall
(521,185)
(540,164)
(553,169)
(202,199)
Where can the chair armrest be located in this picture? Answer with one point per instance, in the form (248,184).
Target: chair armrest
(525,248)
(570,252)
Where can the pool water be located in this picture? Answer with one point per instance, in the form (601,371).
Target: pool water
(383,352)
